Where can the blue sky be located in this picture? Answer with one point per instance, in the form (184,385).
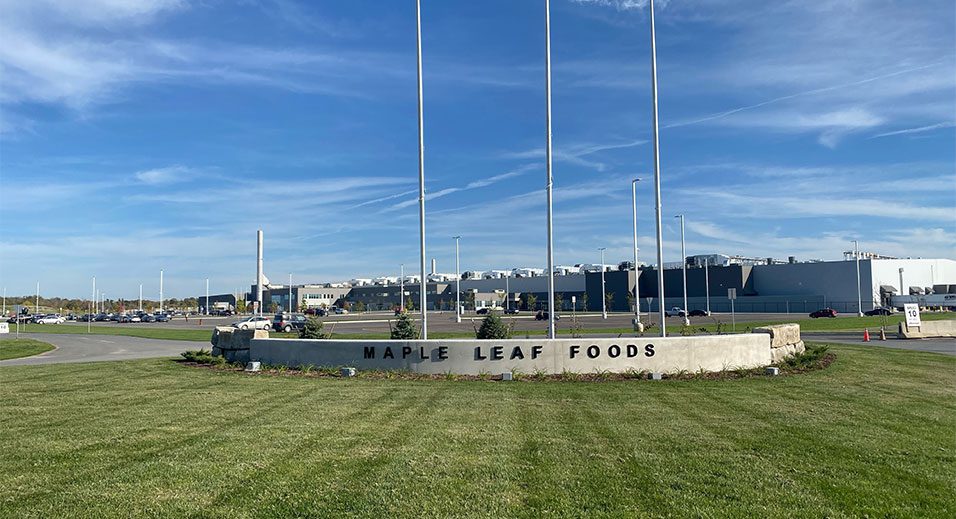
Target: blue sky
(147,134)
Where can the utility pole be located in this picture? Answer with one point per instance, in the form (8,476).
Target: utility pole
(37,309)
(140,297)
(207,297)
(683,261)
(707,282)
(401,290)
(89,320)
(290,292)
(160,290)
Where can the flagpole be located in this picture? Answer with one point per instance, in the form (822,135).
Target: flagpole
(657,179)
(550,180)
(423,283)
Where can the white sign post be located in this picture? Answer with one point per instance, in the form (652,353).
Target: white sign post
(912,315)
(4,328)
(732,294)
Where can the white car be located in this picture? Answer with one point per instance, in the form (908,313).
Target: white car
(254,323)
(340,311)
(51,319)
(675,312)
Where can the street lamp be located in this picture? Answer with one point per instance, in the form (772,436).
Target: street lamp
(457,282)
(423,285)
(707,282)
(290,293)
(207,297)
(859,289)
(657,176)
(160,291)
(401,290)
(901,284)
(683,260)
(637,272)
(603,298)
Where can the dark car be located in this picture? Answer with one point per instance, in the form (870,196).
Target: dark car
(824,312)
(318,312)
(483,311)
(511,311)
(288,322)
(698,313)
(148,318)
(162,318)
(880,310)
(542,316)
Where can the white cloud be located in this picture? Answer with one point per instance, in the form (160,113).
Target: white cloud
(167,175)
(920,129)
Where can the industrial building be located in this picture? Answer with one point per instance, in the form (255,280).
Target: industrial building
(761,284)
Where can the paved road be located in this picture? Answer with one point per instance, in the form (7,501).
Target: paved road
(92,348)
(944,346)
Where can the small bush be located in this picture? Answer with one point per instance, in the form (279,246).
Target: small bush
(404,328)
(313,330)
(202,356)
(493,328)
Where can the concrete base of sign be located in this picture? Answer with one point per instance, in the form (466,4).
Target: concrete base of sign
(476,357)
(928,329)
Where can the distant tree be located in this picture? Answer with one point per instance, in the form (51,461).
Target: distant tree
(409,305)
(609,301)
(273,307)
(404,328)
(559,301)
(359,306)
(584,302)
(532,301)
(470,299)
(630,300)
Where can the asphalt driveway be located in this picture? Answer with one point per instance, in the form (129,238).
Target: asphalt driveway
(94,348)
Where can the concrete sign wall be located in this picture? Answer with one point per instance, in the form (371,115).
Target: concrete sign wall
(473,357)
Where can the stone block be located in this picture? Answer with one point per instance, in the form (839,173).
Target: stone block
(781,334)
(783,352)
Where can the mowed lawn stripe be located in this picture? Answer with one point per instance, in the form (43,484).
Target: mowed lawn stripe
(872,434)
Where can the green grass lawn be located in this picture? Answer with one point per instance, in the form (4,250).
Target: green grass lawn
(870,435)
(16,348)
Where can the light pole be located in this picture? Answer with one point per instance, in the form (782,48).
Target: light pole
(206,310)
(637,271)
(401,290)
(683,260)
(37,309)
(657,177)
(140,297)
(4,301)
(89,319)
(707,282)
(550,179)
(508,291)
(901,283)
(457,282)
(421,177)
(603,298)
(290,292)
(160,290)
(859,288)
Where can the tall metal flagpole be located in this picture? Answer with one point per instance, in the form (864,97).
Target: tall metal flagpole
(423,284)
(707,282)
(657,179)
(93,308)
(637,271)
(683,259)
(550,183)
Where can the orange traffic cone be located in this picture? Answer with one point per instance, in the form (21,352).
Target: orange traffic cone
(866,335)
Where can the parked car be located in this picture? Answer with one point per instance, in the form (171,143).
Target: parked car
(319,312)
(289,322)
(511,311)
(542,316)
(129,318)
(51,319)
(483,311)
(340,311)
(254,323)
(161,318)
(101,317)
(148,318)
(699,313)
(824,312)
(880,310)
(675,312)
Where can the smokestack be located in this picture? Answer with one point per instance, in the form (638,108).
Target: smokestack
(259,270)
(434,266)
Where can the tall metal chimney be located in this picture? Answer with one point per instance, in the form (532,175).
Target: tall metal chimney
(259,270)
(434,266)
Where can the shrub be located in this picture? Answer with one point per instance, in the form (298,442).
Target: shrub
(313,330)
(493,328)
(202,356)
(404,328)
